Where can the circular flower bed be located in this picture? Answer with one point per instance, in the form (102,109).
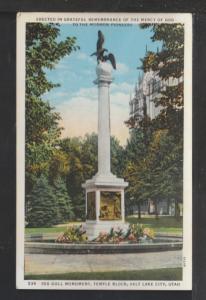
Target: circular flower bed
(134,234)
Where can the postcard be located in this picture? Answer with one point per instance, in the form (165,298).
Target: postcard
(104,151)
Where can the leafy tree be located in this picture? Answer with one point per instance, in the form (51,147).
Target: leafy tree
(156,171)
(72,147)
(169,62)
(136,147)
(171,166)
(43,51)
(164,168)
(63,201)
(136,169)
(59,165)
(89,155)
(118,158)
(82,161)
(42,211)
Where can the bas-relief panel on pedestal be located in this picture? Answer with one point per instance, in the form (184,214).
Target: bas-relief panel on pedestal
(91,206)
(110,205)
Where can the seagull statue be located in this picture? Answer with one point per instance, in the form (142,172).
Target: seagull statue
(100,51)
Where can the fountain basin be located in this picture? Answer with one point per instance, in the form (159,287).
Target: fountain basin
(51,247)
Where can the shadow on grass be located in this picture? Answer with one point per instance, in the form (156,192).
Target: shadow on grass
(155,274)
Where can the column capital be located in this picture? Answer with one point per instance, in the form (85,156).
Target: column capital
(104,73)
(103,81)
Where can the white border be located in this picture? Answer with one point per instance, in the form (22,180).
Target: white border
(22,19)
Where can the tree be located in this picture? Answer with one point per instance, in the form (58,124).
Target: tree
(72,147)
(59,165)
(43,51)
(164,168)
(89,155)
(156,172)
(136,169)
(118,158)
(63,201)
(83,163)
(169,62)
(136,147)
(42,211)
(172,170)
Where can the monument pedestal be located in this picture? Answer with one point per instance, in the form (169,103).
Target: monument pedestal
(104,204)
(104,192)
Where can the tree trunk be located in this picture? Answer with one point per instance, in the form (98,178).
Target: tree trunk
(139,211)
(156,210)
(177,211)
(148,209)
(168,206)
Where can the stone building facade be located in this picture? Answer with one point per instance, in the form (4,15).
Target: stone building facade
(147,89)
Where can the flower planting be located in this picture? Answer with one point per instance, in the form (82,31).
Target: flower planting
(73,234)
(134,234)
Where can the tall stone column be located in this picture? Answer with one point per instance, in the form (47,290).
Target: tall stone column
(103,81)
(104,192)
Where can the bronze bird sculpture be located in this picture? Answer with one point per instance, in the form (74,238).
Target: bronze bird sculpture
(100,40)
(100,51)
(111,58)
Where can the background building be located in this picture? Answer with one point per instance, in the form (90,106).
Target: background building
(147,89)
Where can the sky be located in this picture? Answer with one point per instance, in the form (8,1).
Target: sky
(76,99)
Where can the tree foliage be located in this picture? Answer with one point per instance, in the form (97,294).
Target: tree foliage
(152,160)
(136,171)
(82,156)
(155,149)
(156,171)
(63,201)
(169,62)
(49,204)
(42,207)
(43,51)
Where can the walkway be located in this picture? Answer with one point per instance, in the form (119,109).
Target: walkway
(66,263)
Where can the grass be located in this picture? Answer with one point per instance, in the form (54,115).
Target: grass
(54,229)
(45,230)
(162,224)
(155,274)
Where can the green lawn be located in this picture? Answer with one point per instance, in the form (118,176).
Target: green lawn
(54,229)
(157,274)
(45,230)
(162,224)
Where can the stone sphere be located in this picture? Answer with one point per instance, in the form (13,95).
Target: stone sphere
(104,69)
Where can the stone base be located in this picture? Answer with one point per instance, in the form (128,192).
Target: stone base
(97,220)
(108,180)
(93,228)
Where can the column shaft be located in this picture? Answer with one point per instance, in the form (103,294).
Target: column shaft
(103,129)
